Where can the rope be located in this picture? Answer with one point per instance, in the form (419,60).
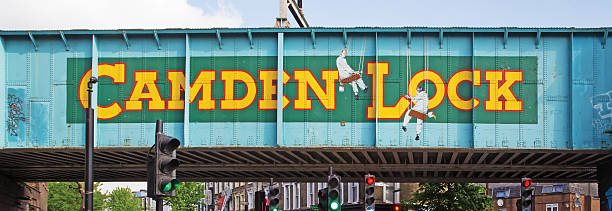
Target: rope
(362,53)
(409,67)
(426,67)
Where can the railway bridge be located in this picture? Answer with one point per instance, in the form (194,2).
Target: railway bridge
(501,103)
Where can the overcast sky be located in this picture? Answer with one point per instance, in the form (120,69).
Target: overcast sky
(155,14)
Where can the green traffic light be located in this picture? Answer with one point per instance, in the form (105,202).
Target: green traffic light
(170,186)
(275,209)
(334,205)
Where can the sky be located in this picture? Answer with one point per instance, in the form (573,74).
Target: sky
(158,14)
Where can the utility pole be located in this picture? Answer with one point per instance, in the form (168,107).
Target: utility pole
(89,145)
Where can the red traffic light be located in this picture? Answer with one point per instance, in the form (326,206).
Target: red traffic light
(370,180)
(527,183)
(396,208)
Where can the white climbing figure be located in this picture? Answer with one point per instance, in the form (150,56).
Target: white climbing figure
(419,111)
(349,76)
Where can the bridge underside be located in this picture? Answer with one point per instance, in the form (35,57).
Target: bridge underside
(311,164)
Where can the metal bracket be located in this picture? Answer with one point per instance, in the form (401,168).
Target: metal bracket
(250,37)
(604,39)
(441,38)
(157,40)
(538,39)
(409,37)
(505,38)
(33,41)
(344,34)
(65,41)
(125,38)
(312,34)
(219,39)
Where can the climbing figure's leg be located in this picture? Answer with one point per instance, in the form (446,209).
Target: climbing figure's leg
(406,120)
(355,90)
(362,85)
(419,128)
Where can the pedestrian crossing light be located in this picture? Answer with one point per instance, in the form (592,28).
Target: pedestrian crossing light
(322,199)
(333,194)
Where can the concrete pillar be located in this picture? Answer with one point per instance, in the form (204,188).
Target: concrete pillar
(604,177)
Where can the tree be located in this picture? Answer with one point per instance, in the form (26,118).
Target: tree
(66,196)
(449,196)
(188,196)
(122,199)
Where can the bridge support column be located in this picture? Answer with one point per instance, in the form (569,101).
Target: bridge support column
(604,177)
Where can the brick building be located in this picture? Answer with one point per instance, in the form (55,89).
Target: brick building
(301,196)
(548,196)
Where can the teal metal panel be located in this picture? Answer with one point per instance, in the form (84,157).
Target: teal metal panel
(280,67)
(186,123)
(3,107)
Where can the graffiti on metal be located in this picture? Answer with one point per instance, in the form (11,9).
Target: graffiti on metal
(15,114)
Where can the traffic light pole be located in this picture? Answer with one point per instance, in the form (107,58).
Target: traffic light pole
(159,201)
(89,145)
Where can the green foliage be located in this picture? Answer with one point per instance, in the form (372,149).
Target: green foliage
(122,199)
(188,196)
(449,196)
(66,196)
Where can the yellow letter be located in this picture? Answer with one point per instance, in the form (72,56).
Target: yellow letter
(305,79)
(145,79)
(177,86)
(230,76)
(267,101)
(508,78)
(202,82)
(117,73)
(384,112)
(437,81)
(453,96)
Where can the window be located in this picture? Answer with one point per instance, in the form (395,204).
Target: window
(251,206)
(505,193)
(296,193)
(558,188)
(388,189)
(547,189)
(353,192)
(341,193)
(287,196)
(310,194)
(552,207)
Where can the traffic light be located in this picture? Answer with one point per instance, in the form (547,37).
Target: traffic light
(333,192)
(273,197)
(396,207)
(161,168)
(527,190)
(369,192)
(322,199)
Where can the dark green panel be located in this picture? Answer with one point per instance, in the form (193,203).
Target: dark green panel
(346,105)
